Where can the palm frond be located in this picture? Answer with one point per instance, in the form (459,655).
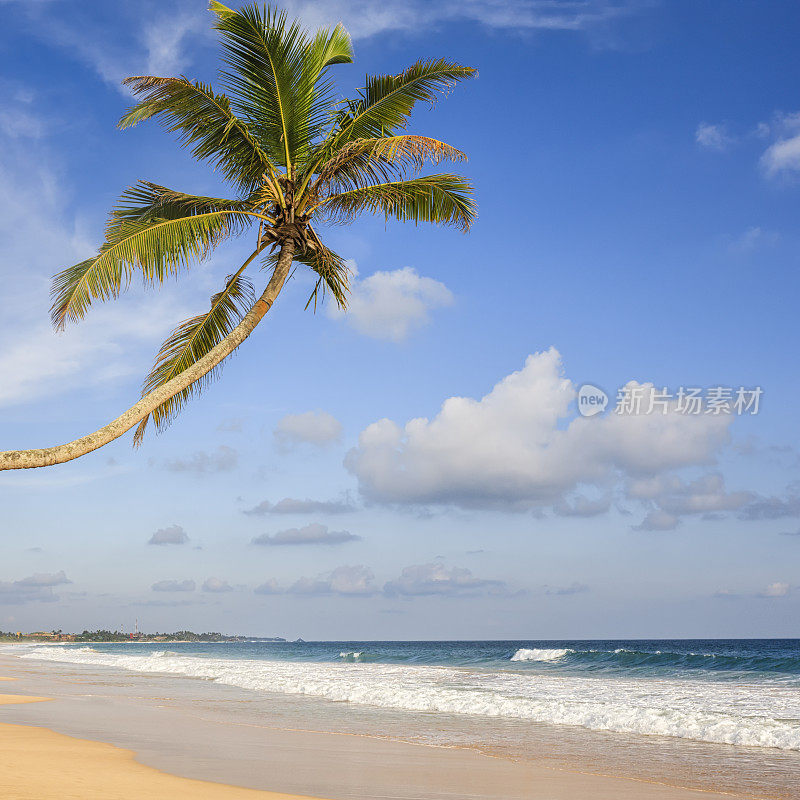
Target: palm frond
(205,123)
(157,248)
(442,198)
(266,57)
(387,100)
(149,202)
(380,159)
(190,342)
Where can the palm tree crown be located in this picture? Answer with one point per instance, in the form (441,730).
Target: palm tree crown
(297,158)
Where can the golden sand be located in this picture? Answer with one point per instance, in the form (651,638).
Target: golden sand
(38,764)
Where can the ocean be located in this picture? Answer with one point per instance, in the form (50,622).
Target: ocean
(711,708)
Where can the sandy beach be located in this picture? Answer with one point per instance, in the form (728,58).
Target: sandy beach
(92,748)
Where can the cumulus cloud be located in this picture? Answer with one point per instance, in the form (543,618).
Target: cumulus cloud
(777,589)
(318,428)
(674,498)
(773,507)
(173,534)
(35,588)
(217,586)
(391,305)
(309,534)
(270,586)
(713,137)
(291,505)
(436,579)
(223,459)
(521,447)
(174,586)
(347,581)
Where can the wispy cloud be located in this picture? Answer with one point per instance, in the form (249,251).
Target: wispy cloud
(35,588)
(309,534)
(201,462)
(422,580)
(291,505)
(174,586)
(318,428)
(713,137)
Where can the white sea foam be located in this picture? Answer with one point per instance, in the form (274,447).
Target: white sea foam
(351,656)
(544,654)
(710,711)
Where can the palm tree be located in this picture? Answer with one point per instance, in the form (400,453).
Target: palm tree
(296,158)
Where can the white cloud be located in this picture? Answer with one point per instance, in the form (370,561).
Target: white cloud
(308,534)
(291,505)
(752,239)
(40,233)
(391,305)
(352,581)
(161,37)
(160,46)
(776,589)
(223,459)
(217,586)
(34,588)
(318,428)
(364,18)
(782,156)
(173,534)
(516,448)
(675,498)
(713,137)
(421,580)
(41,580)
(270,586)
(173,586)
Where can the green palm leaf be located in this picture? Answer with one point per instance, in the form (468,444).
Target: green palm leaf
(387,100)
(265,55)
(157,248)
(149,202)
(381,159)
(205,123)
(277,76)
(190,342)
(444,199)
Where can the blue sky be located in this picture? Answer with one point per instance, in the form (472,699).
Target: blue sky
(637,169)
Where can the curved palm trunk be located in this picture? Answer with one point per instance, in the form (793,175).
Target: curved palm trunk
(45,457)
